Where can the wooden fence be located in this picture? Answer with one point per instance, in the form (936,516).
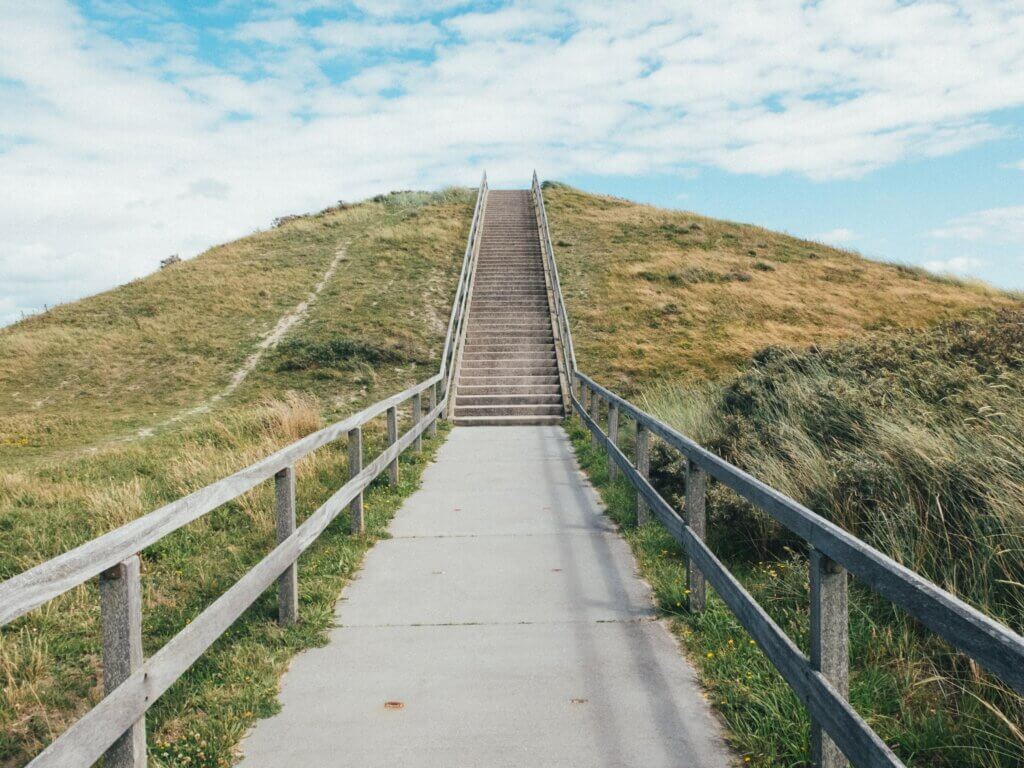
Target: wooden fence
(115,727)
(838,733)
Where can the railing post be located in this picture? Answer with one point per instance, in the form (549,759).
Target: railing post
(613,435)
(584,397)
(121,619)
(830,649)
(643,466)
(355,466)
(595,405)
(287,582)
(417,417)
(696,519)
(431,405)
(392,439)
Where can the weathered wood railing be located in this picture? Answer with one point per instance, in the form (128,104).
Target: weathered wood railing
(457,322)
(838,733)
(115,727)
(821,681)
(563,334)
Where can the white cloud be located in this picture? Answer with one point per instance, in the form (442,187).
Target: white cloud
(957,265)
(837,236)
(352,36)
(120,154)
(1000,225)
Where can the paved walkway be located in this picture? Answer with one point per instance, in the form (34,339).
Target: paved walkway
(506,616)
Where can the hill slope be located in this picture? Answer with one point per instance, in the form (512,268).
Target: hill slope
(887,400)
(115,404)
(183,354)
(656,295)
(106,366)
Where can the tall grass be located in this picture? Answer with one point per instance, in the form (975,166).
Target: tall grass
(913,441)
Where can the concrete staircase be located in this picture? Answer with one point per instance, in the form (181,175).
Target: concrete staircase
(509,371)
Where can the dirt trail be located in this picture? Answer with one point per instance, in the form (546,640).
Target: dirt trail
(278,332)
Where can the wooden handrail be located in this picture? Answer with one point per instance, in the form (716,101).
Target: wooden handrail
(561,313)
(991,644)
(123,708)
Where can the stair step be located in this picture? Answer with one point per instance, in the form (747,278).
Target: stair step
(506,421)
(507,390)
(506,379)
(524,357)
(506,398)
(508,410)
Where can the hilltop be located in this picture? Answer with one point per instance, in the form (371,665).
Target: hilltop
(662,295)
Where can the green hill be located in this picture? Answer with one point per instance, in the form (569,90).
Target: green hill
(116,404)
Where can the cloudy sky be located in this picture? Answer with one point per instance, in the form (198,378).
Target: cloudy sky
(130,130)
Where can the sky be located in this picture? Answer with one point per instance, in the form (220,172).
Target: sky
(133,130)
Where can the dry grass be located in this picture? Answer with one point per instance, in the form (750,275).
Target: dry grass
(662,295)
(76,385)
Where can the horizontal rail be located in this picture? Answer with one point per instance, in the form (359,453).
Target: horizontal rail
(847,728)
(561,313)
(993,645)
(458,313)
(84,742)
(27,590)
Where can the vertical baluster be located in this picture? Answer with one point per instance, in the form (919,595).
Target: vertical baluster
(613,435)
(417,417)
(432,404)
(392,439)
(121,619)
(643,466)
(696,518)
(595,406)
(830,652)
(287,582)
(355,466)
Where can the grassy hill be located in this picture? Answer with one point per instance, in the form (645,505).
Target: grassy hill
(659,295)
(886,399)
(116,404)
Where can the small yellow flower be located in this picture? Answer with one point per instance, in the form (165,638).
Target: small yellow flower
(711,655)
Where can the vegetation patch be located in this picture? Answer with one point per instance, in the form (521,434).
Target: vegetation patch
(912,441)
(82,387)
(627,261)
(300,355)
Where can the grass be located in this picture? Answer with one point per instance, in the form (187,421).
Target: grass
(912,441)
(79,382)
(659,295)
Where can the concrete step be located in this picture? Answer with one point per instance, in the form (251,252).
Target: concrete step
(508,410)
(518,356)
(508,390)
(507,346)
(506,398)
(505,379)
(502,365)
(506,421)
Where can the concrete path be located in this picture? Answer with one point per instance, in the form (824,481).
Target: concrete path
(506,619)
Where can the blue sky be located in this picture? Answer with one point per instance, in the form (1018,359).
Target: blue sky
(133,130)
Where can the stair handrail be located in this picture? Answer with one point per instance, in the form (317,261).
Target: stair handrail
(561,313)
(457,318)
(819,681)
(114,556)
